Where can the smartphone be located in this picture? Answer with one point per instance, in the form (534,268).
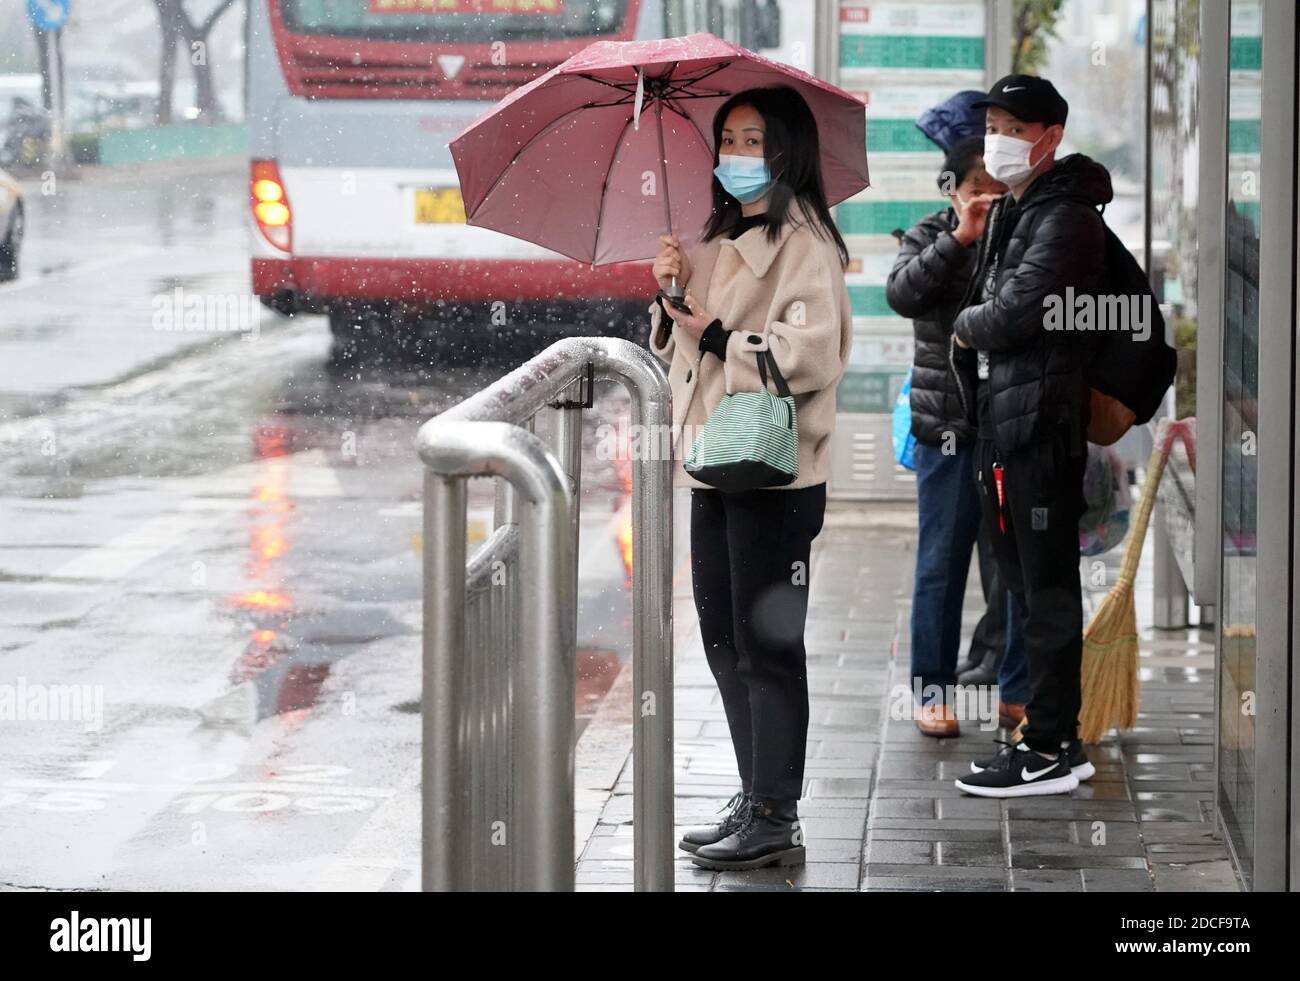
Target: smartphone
(679,303)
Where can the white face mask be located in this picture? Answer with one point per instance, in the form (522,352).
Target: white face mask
(1007,159)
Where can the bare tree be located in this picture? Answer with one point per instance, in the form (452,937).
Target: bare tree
(182,26)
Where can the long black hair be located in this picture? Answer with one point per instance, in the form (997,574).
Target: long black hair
(793,156)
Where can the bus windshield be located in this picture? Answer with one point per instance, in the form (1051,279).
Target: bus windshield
(454,21)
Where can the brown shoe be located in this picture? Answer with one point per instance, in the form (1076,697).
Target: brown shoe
(937,720)
(1011,714)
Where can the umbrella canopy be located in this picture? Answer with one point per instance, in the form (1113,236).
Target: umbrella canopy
(608,150)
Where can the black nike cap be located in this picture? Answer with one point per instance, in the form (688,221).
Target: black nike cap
(1029,98)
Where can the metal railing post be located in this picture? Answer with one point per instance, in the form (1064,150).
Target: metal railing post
(541,843)
(1169,593)
(445,798)
(653,804)
(542,810)
(481,437)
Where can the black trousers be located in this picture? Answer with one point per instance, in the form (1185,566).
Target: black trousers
(749,559)
(1037,549)
(990,634)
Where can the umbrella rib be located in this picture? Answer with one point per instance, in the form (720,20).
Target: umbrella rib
(625,101)
(604,187)
(628,87)
(672,85)
(628,99)
(694,125)
(683,82)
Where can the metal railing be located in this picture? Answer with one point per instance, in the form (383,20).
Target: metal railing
(500,629)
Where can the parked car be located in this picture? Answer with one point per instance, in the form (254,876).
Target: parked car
(11,227)
(26,140)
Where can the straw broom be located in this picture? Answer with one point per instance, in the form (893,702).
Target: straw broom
(1110,641)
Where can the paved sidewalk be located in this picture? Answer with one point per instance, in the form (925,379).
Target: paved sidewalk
(879,804)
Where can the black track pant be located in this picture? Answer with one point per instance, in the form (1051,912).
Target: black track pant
(749,559)
(1037,548)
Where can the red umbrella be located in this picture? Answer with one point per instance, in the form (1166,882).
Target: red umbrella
(567,161)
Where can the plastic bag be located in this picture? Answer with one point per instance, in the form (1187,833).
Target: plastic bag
(904,441)
(1106,493)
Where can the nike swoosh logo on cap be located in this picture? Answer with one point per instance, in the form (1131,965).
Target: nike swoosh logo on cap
(1018,88)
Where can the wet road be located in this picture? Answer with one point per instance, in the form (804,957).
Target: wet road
(211,543)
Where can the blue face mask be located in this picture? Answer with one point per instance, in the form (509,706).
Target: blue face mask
(745,178)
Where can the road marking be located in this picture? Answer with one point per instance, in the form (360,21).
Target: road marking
(130,550)
(374,854)
(90,265)
(275,786)
(309,476)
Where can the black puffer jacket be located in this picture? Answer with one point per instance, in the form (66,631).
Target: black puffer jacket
(927,284)
(1053,238)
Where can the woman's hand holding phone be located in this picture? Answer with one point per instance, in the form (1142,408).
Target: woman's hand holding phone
(695,322)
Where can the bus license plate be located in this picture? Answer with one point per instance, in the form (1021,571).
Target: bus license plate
(439,206)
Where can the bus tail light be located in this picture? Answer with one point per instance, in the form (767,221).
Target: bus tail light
(271,204)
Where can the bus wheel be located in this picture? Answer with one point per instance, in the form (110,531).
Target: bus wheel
(359,332)
(10,246)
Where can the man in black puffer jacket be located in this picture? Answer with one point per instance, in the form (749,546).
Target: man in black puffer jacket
(935,263)
(1042,238)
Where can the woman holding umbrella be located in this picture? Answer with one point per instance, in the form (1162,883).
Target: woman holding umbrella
(767,276)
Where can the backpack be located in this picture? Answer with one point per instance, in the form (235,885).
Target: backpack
(1128,376)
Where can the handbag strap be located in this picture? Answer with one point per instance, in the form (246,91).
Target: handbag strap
(764,359)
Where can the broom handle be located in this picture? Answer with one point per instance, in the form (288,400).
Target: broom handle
(1138,533)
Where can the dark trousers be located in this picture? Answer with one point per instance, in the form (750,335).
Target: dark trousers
(949,525)
(1037,548)
(749,559)
(990,636)
(948,520)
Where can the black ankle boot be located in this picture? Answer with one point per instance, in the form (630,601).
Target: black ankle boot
(771,836)
(736,819)
(986,673)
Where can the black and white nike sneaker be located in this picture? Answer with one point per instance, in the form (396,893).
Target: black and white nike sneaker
(1020,772)
(1080,765)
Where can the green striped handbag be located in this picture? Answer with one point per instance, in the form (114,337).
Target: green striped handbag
(752,438)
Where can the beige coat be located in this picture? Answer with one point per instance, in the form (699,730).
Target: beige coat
(788,296)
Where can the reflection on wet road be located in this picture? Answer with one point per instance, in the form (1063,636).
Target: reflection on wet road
(215,540)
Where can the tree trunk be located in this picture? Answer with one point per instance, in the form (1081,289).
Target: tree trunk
(170,26)
(205,89)
(205,94)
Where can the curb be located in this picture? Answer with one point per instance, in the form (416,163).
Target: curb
(602,753)
(134,173)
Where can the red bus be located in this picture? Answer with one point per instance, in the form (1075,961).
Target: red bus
(355,205)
